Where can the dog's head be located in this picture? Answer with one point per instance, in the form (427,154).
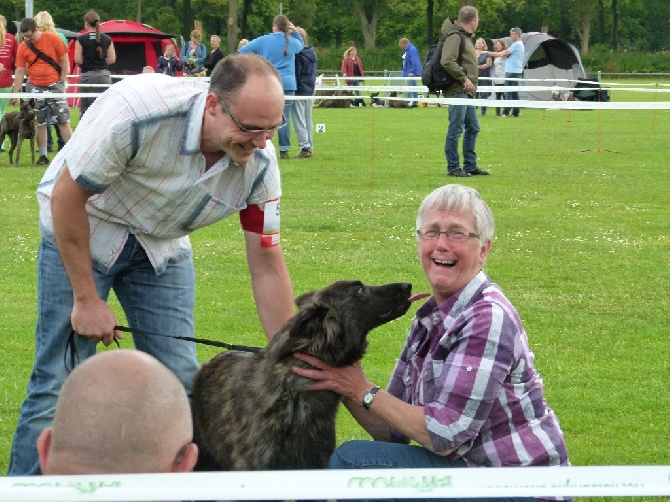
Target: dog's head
(333,322)
(27,109)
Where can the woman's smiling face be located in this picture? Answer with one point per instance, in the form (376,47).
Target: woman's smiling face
(449,266)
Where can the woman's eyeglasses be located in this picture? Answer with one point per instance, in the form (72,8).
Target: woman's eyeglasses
(453,235)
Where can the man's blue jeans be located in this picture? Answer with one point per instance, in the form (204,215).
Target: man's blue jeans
(50,139)
(359,454)
(462,117)
(159,303)
(284,134)
(512,95)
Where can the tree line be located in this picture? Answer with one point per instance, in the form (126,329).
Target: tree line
(619,25)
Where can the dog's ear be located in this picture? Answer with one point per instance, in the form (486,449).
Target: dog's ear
(327,337)
(32,102)
(314,330)
(305,298)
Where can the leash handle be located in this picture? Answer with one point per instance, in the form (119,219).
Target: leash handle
(137,331)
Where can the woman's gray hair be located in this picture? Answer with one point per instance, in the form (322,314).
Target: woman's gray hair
(460,198)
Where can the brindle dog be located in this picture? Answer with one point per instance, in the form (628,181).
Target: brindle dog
(330,102)
(251,412)
(19,126)
(395,103)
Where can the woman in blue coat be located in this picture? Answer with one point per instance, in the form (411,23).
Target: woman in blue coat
(193,55)
(280,48)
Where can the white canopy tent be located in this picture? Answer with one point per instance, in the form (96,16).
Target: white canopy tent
(548,61)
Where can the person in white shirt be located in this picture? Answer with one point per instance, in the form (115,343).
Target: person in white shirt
(153,159)
(498,71)
(513,68)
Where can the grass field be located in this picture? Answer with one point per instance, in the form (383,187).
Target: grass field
(582,249)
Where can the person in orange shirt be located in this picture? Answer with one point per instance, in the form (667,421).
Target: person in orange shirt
(47,67)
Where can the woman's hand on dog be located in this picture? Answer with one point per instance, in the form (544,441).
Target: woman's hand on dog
(347,381)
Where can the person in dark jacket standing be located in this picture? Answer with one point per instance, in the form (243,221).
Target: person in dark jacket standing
(463,67)
(168,63)
(94,52)
(305,75)
(214,56)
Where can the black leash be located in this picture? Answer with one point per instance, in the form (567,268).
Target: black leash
(137,331)
(72,349)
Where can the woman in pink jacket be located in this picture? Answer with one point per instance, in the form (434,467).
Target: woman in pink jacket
(353,67)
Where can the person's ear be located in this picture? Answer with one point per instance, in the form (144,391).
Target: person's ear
(484,251)
(212,105)
(186,458)
(44,447)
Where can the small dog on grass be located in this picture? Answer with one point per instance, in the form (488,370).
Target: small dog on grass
(375,100)
(251,412)
(395,103)
(333,103)
(19,126)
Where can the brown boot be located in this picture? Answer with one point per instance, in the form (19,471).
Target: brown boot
(304,154)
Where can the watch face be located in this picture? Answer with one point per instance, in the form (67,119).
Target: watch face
(369,397)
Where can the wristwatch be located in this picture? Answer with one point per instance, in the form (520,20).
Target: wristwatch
(370,397)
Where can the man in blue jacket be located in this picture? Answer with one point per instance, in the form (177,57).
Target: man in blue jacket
(411,67)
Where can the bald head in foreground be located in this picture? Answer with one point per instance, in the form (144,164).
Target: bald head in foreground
(119,412)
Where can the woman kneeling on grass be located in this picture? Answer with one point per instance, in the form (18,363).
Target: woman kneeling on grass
(464,387)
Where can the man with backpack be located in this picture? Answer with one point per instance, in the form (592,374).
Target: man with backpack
(459,60)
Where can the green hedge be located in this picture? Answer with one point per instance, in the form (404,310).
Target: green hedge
(603,59)
(387,58)
(600,58)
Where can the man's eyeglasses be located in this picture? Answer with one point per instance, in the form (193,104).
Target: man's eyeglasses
(251,129)
(453,235)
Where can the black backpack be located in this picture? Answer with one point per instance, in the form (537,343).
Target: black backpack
(433,74)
